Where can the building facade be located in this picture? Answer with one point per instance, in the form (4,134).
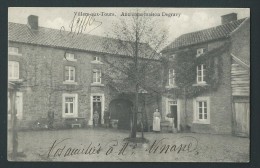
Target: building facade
(221,109)
(75,76)
(69,76)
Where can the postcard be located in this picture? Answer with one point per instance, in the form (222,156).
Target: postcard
(110,84)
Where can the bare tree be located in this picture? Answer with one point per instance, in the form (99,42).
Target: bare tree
(138,38)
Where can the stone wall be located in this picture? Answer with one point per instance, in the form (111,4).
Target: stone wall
(42,71)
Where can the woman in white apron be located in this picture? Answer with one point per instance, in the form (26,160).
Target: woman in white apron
(156,121)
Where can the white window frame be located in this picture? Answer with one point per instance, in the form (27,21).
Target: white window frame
(96,60)
(14,51)
(13,71)
(95,76)
(171,77)
(75,105)
(200,51)
(196,118)
(70,57)
(74,73)
(173,56)
(202,76)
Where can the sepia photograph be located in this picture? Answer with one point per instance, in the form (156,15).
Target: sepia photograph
(118,84)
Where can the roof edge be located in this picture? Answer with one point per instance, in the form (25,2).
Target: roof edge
(165,48)
(177,48)
(238,27)
(82,50)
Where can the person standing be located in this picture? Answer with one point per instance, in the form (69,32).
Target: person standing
(156,121)
(96,118)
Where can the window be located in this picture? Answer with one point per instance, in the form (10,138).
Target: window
(96,76)
(96,98)
(13,70)
(201,73)
(173,56)
(69,73)
(96,58)
(200,51)
(202,110)
(173,102)
(171,77)
(13,50)
(70,57)
(70,105)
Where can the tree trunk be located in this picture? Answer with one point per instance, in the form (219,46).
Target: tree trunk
(146,114)
(134,126)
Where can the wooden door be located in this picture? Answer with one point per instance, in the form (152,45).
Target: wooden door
(174,114)
(242,118)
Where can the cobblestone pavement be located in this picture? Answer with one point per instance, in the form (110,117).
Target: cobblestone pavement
(109,145)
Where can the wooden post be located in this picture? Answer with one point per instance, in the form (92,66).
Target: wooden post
(13,121)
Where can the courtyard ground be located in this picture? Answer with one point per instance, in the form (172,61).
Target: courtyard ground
(109,145)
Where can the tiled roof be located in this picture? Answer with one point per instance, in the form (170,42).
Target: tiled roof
(54,38)
(205,35)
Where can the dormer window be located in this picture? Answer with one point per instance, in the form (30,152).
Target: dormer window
(200,51)
(70,57)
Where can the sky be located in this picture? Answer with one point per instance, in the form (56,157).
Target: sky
(189,20)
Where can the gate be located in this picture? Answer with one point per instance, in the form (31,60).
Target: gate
(242,118)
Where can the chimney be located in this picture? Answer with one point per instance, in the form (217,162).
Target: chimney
(228,18)
(33,22)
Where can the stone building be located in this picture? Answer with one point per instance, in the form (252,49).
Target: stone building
(224,109)
(70,76)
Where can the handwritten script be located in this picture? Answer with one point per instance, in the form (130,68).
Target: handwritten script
(81,24)
(66,147)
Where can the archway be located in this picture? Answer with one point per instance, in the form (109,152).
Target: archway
(120,109)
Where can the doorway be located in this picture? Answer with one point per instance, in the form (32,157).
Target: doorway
(120,109)
(173,107)
(97,107)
